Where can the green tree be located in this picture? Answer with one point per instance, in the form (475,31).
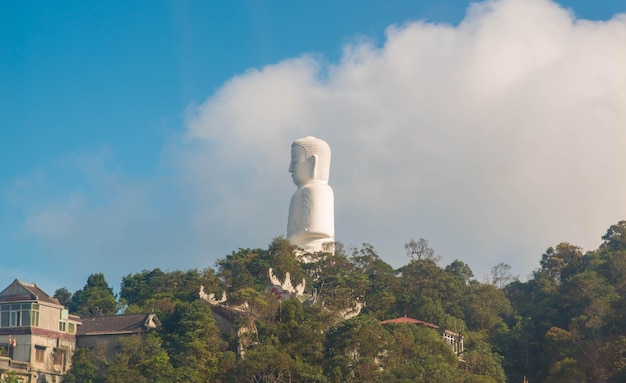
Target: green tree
(11,377)
(417,250)
(96,298)
(481,360)
(63,296)
(426,292)
(417,354)
(281,257)
(245,268)
(272,363)
(615,237)
(159,292)
(501,275)
(83,370)
(336,283)
(569,315)
(381,281)
(565,370)
(192,340)
(461,270)
(356,350)
(140,359)
(563,261)
(485,307)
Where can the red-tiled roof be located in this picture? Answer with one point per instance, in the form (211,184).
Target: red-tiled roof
(409,320)
(116,324)
(20,291)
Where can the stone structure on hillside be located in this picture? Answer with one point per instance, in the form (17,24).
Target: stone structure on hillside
(233,320)
(311,221)
(285,289)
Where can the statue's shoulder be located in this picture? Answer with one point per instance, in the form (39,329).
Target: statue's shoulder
(315,188)
(317,194)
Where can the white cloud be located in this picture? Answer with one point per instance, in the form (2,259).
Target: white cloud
(494,139)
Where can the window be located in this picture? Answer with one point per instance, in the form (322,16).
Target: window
(34,319)
(16,317)
(19,315)
(58,357)
(62,326)
(71,328)
(26,318)
(4,317)
(40,352)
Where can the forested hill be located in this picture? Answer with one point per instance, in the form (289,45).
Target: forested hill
(565,324)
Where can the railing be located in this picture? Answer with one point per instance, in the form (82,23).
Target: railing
(19,365)
(6,362)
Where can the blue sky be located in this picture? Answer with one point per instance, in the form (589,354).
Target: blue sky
(157,134)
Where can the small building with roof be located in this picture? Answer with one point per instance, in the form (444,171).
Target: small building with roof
(106,331)
(452,338)
(37,334)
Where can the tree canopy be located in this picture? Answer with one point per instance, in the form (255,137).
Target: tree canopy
(563,324)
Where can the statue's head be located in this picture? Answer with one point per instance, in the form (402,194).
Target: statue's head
(310,160)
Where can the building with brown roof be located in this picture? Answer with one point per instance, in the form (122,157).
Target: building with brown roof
(409,320)
(105,331)
(452,338)
(37,334)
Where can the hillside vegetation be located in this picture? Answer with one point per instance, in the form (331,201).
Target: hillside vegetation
(565,324)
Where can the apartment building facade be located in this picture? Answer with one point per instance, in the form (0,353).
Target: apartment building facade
(37,334)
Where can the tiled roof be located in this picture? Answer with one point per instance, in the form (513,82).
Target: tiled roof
(20,291)
(117,324)
(409,320)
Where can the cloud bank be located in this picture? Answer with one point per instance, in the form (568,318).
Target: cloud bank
(493,139)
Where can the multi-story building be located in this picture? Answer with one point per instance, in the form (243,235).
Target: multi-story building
(37,334)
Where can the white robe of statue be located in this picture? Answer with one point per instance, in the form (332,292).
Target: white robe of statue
(311,211)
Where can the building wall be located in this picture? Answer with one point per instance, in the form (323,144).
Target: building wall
(105,343)
(41,351)
(21,351)
(49,317)
(50,354)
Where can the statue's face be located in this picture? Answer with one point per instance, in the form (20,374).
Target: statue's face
(301,168)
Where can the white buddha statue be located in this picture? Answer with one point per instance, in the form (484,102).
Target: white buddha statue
(311,212)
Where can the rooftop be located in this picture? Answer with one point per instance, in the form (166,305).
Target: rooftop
(409,320)
(20,291)
(117,324)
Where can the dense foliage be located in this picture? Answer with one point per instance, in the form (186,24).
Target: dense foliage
(564,324)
